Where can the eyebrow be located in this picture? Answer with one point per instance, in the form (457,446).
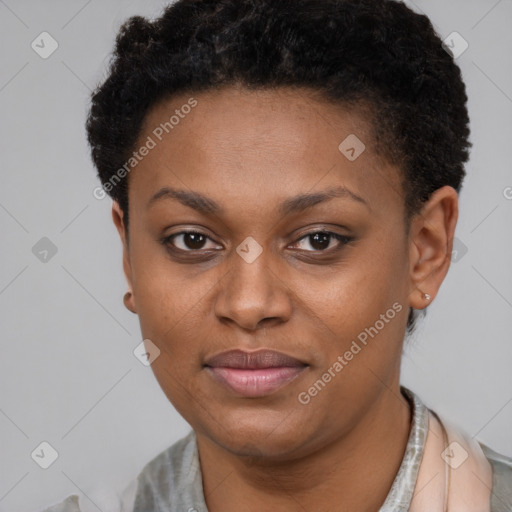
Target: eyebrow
(208,206)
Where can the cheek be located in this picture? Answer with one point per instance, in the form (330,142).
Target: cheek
(382,270)
(356,292)
(357,330)
(360,314)
(345,313)
(165,292)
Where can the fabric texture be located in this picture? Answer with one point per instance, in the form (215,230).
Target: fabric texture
(501,496)
(172,482)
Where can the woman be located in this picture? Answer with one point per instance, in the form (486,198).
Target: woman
(285,177)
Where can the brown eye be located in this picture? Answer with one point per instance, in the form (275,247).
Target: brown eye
(188,241)
(321,240)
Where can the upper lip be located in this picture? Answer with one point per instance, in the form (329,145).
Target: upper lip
(252,360)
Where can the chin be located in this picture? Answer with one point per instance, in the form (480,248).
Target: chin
(258,434)
(268,447)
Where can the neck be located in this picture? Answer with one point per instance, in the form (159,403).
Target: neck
(353,472)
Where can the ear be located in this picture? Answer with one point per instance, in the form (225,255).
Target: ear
(118,218)
(431,241)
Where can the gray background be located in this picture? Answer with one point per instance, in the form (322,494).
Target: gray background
(68,375)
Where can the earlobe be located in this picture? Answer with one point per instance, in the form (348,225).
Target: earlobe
(129,302)
(431,241)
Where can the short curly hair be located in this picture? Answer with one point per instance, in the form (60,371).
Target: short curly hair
(377,55)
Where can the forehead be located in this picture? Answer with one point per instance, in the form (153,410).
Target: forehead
(263,145)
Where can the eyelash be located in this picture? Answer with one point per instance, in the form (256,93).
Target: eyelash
(343,239)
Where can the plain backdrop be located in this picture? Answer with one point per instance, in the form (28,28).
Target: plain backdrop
(68,374)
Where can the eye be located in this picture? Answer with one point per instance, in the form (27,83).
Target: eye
(188,241)
(321,240)
(191,241)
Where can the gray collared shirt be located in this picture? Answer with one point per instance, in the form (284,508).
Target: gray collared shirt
(172,482)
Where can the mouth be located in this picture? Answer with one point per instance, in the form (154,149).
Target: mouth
(254,374)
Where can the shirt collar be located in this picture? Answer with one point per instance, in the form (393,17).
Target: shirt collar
(400,495)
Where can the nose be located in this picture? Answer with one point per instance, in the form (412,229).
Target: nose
(253,295)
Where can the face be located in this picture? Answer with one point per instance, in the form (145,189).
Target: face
(297,247)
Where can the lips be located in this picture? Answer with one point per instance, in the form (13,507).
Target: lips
(254,374)
(253,360)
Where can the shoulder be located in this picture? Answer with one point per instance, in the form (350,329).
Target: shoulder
(172,480)
(172,461)
(70,504)
(497,478)
(172,472)
(501,481)
(96,497)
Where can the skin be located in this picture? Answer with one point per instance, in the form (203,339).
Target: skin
(248,151)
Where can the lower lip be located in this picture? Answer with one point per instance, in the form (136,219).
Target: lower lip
(256,383)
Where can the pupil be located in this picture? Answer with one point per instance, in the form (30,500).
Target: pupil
(321,238)
(192,240)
